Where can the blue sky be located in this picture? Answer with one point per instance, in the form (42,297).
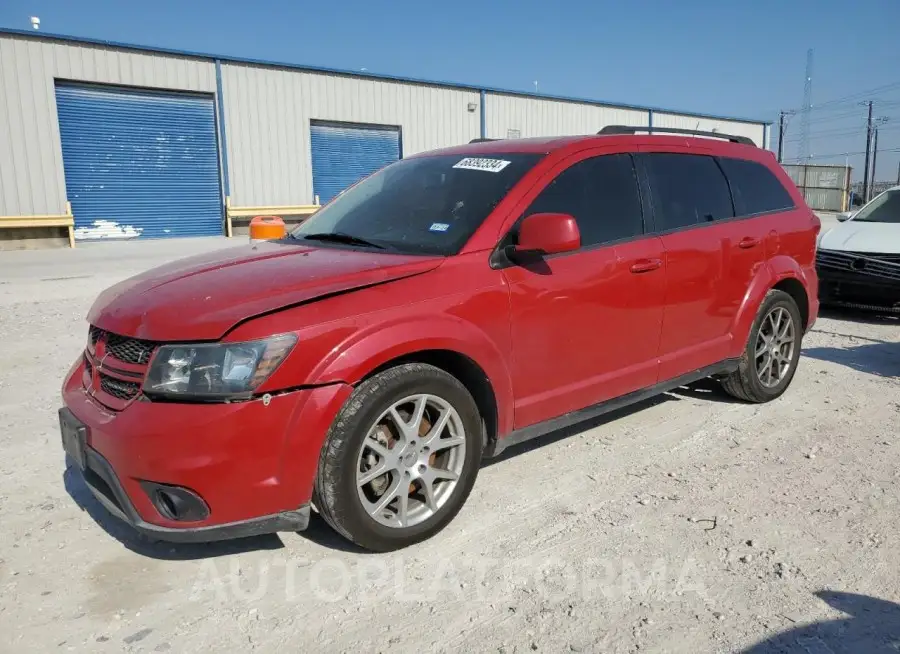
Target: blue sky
(724,57)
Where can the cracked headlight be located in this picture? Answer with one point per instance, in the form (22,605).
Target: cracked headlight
(215,370)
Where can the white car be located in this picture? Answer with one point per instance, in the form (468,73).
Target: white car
(859,260)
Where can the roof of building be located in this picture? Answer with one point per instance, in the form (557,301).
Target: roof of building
(365,75)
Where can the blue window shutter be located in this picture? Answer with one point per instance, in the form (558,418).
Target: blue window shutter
(139,164)
(344,154)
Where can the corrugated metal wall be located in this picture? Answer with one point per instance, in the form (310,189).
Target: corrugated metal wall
(267,114)
(536,117)
(752,131)
(825,188)
(31,168)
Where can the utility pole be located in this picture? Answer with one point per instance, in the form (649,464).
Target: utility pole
(874,157)
(878,122)
(865,188)
(782,124)
(898,174)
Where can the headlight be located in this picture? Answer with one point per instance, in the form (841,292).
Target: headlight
(216,370)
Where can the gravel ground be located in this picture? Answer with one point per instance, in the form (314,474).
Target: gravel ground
(691,523)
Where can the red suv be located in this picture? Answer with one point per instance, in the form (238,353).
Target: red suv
(448,306)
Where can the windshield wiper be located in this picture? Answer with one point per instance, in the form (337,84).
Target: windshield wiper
(341,237)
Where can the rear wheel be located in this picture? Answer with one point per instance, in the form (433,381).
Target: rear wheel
(773,350)
(401,457)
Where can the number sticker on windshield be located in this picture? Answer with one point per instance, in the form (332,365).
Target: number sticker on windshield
(439,227)
(477,163)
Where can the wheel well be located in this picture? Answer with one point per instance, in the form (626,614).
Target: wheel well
(467,372)
(796,290)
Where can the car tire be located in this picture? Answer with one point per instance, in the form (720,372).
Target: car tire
(366,437)
(750,381)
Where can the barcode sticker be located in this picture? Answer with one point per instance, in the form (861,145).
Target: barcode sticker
(477,163)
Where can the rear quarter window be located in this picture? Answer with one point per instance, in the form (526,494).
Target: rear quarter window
(755,188)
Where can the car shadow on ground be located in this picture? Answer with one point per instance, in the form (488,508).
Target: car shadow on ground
(140,544)
(708,390)
(321,534)
(871,317)
(879,358)
(871,626)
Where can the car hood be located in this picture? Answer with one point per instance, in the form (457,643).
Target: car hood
(852,236)
(203,297)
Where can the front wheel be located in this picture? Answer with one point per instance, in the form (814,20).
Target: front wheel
(773,350)
(401,457)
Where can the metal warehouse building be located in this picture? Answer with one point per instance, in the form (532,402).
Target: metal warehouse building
(109,140)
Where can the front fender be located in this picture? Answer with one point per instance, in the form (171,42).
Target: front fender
(767,276)
(370,348)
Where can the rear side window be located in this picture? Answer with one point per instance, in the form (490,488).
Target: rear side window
(756,189)
(687,189)
(602,195)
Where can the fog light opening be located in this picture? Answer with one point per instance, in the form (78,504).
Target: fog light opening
(167,505)
(176,502)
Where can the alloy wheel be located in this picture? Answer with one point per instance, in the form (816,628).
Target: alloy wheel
(411,460)
(775,344)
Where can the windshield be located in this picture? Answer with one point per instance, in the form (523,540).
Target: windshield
(883,209)
(424,205)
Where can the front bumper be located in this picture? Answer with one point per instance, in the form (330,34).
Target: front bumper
(847,287)
(251,464)
(101,480)
(858,278)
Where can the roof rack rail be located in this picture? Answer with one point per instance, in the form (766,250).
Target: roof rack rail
(631,129)
(482,140)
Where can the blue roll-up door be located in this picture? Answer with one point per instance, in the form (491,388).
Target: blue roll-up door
(139,163)
(344,154)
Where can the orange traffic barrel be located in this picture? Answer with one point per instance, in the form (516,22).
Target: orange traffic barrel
(266,228)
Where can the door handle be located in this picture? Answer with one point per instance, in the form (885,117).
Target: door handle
(646,265)
(748,242)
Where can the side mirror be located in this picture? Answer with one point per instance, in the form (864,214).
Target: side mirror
(548,233)
(845,216)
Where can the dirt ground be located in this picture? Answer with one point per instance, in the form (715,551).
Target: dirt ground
(692,523)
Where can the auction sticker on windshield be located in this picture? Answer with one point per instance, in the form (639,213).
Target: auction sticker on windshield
(478,163)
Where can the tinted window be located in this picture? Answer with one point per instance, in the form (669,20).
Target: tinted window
(883,209)
(687,189)
(601,193)
(422,205)
(755,187)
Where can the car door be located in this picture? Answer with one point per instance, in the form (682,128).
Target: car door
(710,257)
(585,325)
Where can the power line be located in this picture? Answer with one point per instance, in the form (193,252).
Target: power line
(843,154)
(827,119)
(855,97)
(840,131)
